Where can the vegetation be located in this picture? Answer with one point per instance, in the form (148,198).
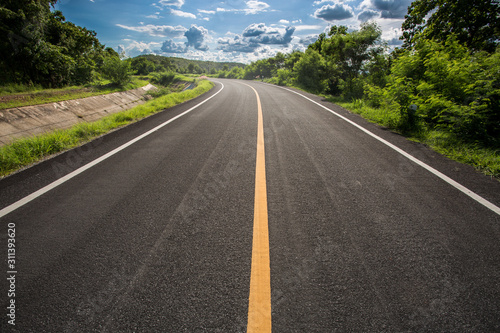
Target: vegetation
(145,64)
(30,150)
(39,47)
(40,51)
(474,23)
(17,95)
(442,88)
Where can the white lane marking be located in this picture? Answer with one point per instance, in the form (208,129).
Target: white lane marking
(447,179)
(75,173)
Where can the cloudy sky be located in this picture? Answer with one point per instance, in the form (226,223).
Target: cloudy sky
(226,30)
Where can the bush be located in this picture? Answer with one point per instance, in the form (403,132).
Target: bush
(116,70)
(455,90)
(164,79)
(53,67)
(311,72)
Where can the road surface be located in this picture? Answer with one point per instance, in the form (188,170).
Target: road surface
(165,233)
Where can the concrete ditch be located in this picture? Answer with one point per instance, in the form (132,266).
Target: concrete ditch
(33,120)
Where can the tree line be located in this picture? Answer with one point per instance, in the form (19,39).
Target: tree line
(447,68)
(145,64)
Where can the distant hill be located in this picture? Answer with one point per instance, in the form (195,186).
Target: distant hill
(185,65)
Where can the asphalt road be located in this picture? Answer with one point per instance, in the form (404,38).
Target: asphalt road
(158,237)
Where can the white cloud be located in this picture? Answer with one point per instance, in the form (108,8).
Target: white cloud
(308,27)
(256,38)
(175,3)
(135,48)
(335,12)
(197,37)
(391,30)
(368,14)
(182,14)
(308,39)
(155,16)
(284,22)
(157,30)
(389,9)
(330,1)
(262,34)
(236,44)
(208,12)
(253,7)
(170,46)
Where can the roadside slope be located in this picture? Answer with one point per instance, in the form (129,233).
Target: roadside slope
(37,119)
(27,151)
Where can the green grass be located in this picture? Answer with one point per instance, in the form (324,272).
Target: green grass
(177,85)
(27,151)
(15,95)
(485,159)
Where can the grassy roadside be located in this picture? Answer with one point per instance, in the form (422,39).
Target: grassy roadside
(27,151)
(485,159)
(16,96)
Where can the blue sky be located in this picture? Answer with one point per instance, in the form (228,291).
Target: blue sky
(226,30)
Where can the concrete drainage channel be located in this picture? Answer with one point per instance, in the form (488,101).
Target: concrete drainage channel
(37,119)
(189,86)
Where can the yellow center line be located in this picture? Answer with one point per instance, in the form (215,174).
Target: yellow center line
(259,306)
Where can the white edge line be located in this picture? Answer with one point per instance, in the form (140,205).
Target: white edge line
(447,179)
(43,190)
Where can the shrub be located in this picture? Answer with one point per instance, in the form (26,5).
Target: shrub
(116,70)
(164,79)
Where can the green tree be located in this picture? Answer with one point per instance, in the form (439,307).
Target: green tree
(22,25)
(235,73)
(310,71)
(116,70)
(198,69)
(142,66)
(80,44)
(39,46)
(346,55)
(292,58)
(456,91)
(475,23)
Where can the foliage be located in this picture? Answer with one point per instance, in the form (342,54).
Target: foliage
(116,70)
(455,90)
(347,53)
(182,65)
(484,158)
(445,80)
(337,64)
(142,66)
(310,71)
(164,79)
(145,64)
(475,23)
(38,46)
